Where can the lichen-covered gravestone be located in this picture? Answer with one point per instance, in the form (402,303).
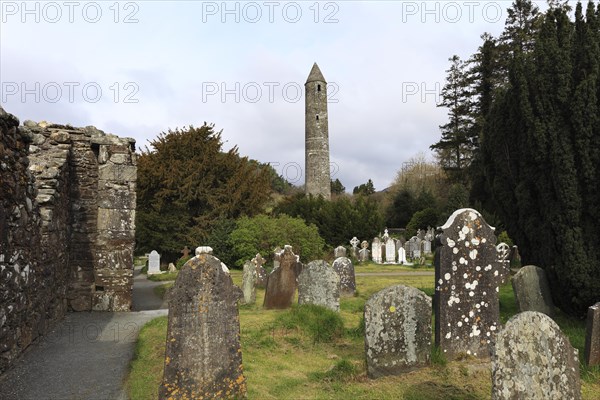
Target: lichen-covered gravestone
(319,284)
(467,280)
(533,359)
(249,282)
(397,330)
(203,358)
(592,336)
(281,284)
(345,269)
(531,290)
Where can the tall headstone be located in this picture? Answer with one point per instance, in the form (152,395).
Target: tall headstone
(408,249)
(390,251)
(154,263)
(397,330)
(402,256)
(467,284)
(503,251)
(319,284)
(261,273)
(277,257)
(203,358)
(426,247)
(592,336)
(318,181)
(339,251)
(533,359)
(345,269)
(376,251)
(249,278)
(281,284)
(531,289)
(363,253)
(354,242)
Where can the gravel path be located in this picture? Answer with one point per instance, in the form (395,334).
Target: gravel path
(86,356)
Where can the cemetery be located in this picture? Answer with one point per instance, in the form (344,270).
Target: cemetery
(188,270)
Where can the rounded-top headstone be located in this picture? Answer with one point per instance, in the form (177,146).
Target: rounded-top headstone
(339,251)
(345,269)
(397,330)
(203,357)
(533,359)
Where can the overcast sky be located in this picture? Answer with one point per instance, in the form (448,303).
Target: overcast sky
(138,68)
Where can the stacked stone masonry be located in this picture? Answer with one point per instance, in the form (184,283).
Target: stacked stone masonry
(66,226)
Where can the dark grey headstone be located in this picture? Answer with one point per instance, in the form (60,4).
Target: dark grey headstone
(592,336)
(397,331)
(531,289)
(345,269)
(533,359)
(319,284)
(203,358)
(467,277)
(281,284)
(249,282)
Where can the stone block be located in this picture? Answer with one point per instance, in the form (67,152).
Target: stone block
(397,331)
(319,284)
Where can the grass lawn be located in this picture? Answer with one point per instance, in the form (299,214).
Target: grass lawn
(282,362)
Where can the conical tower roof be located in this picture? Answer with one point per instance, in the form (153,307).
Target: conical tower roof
(315,75)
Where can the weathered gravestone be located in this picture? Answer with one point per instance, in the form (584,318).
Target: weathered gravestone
(390,251)
(277,257)
(345,269)
(354,242)
(154,263)
(261,273)
(203,250)
(531,289)
(426,247)
(249,282)
(397,330)
(172,268)
(402,256)
(281,284)
(503,251)
(319,284)
(363,253)
(339,251)
(533,359)
(203,358)
(467,280)
(376,251)
(592,336)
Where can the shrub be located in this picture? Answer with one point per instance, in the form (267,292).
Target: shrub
(261,234)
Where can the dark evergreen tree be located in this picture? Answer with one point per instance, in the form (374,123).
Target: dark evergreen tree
(455,149)
(365,189)
(186,184)
(337,187)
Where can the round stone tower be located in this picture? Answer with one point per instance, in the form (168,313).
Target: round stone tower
(318,181)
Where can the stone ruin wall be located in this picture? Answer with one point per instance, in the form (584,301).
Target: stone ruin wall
(66,227)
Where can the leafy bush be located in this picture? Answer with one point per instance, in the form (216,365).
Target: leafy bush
(181,262)
(321,324)
(422,219)
(261,234)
